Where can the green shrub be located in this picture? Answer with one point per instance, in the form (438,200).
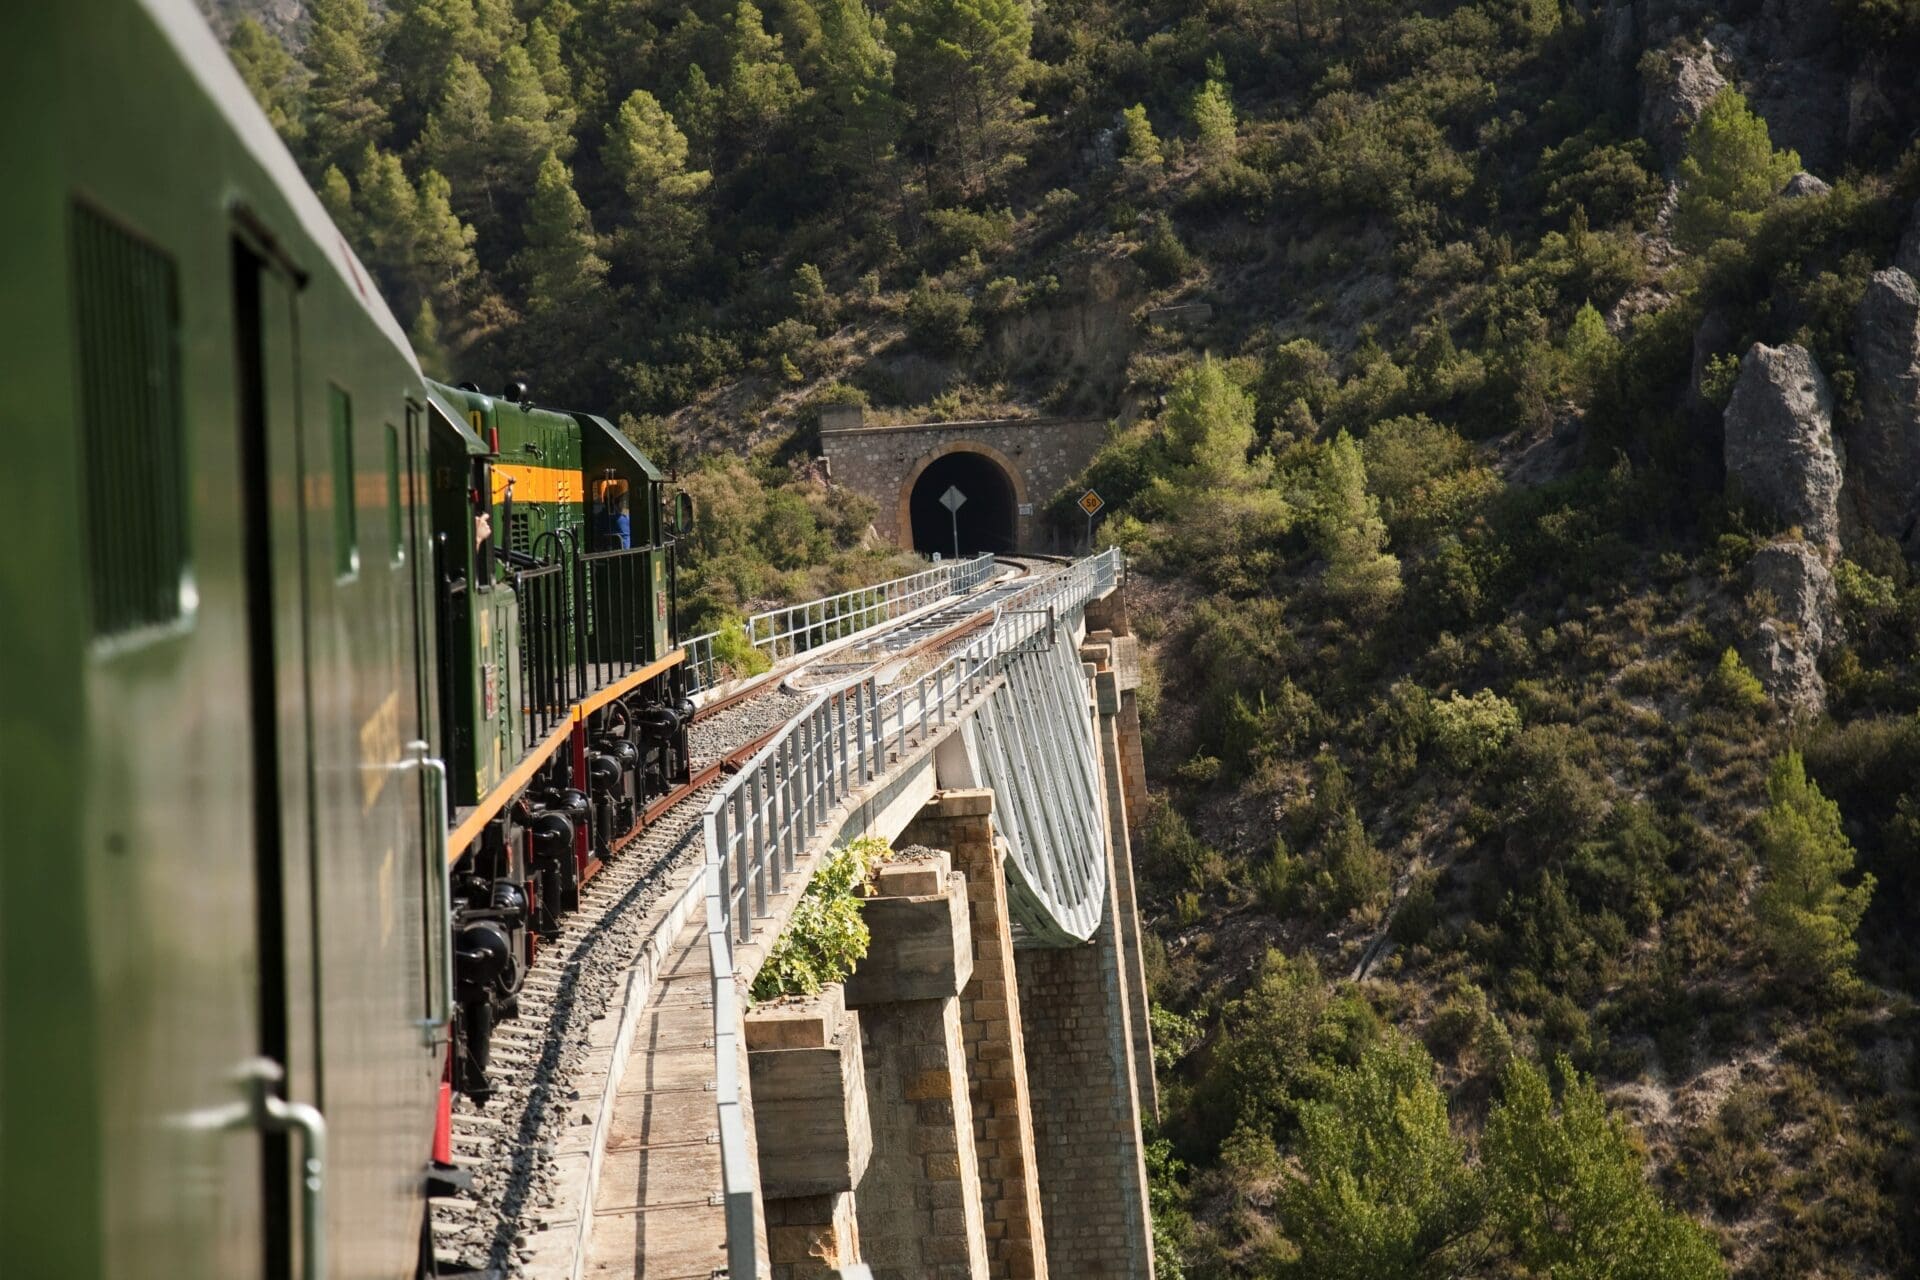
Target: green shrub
(1472,732)
(1734,687)
(1717,379)
(1161,255)
(952,234)
(811,300)
(1356,875)
(1417,915)
(1143,155)
(1614,182)
(1730,174)
(1807,915)
(826,936)
(1554,794)
(735,656)
(1175,855)
(1567,1185)
(941,321)
(1280,880)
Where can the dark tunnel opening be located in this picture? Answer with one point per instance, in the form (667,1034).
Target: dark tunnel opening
(986,519)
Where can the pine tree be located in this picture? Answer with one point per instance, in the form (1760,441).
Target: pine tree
(423,37)
(344,115)
(560,266)
(697,108)
(1730,174)
(1806,915)
(647,154)
(761,89)
(458,142)
(1222,514)
(1589,347)
(391,210)
(275,79)
(527,124)
(811,299)
(852,117)
(1567,1189)
(495,30)
(444,257)
(1143,148)
(1216,135)
(336,197)
(543,50)
(424,335)
(962,66)
(1384,1187)
(1361,575)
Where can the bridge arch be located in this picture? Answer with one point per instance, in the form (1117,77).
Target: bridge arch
(996,496)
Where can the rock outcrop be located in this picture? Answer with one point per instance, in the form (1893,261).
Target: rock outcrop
(1675,94)
(1802,185)
(1779,448)
(1883,446)
(1784,650)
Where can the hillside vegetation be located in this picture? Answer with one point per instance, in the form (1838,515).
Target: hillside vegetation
(1521,528)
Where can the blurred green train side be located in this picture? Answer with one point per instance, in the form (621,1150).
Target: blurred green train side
(214,621)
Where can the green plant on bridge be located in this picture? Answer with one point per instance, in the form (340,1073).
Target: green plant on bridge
(826,937)
(734,652)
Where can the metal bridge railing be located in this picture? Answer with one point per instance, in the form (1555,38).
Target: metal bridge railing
(766,815)
(796,629)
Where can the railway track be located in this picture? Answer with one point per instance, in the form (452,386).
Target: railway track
(509,1153)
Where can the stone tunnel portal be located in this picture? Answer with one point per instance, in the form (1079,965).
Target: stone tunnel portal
(986,521)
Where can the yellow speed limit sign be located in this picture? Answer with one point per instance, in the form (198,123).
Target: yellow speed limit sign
(1091,502)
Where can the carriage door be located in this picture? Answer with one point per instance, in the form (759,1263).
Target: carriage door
(266,314)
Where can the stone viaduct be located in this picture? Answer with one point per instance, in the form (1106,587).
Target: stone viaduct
(1009,468)
(968,1105)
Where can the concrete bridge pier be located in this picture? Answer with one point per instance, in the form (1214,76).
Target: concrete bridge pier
(808,1079)
(919,1203)
(961,821)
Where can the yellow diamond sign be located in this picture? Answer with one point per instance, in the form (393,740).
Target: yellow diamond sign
(1091,502)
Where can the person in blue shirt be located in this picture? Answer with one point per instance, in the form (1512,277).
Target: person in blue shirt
(615,529)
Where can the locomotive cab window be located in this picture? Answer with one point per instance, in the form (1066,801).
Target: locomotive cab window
(346,549)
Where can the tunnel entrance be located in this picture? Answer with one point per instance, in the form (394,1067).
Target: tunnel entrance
(987,518)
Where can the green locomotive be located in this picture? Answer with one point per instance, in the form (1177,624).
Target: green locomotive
(268,578)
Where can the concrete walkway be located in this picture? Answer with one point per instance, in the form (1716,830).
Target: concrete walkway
(656,1213)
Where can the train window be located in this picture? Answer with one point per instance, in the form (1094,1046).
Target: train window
(396,541)
(346,548)
(131,428)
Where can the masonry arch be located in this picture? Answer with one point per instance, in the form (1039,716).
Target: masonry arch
(989,521)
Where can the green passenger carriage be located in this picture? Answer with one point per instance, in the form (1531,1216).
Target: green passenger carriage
(252,929)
